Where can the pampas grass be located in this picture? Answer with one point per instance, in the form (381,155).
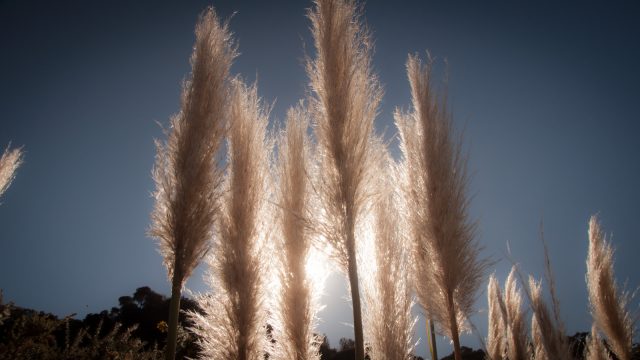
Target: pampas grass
(537,341)
(233,325)
(517,332)
(9,163)
(297,303)
(547,335)
(448,271)
(388,297)
(188,180)
(496,347)
(507,335)
(595,349)
(344,102)
(608,305)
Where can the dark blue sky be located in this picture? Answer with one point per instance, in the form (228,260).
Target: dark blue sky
(547,93)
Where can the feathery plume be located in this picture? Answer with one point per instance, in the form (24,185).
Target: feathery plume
(496,347)
(448,271)
(233,325)
(344,103)
(297,303)
(546,334)
(595,349)
(537,341)
(388,298)
(9,163)
(608,306)
(517,332)
(188,180)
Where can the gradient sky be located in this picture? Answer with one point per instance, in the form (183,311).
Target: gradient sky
(547,94)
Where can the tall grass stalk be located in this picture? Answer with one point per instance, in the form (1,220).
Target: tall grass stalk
(388,297)
(448,270)
(9,162)
(234,319)
(344,103)
(297,303)
(187,176)
(608,305)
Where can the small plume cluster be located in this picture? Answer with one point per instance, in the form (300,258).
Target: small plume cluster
(507,338)
(548,334)
(507,335)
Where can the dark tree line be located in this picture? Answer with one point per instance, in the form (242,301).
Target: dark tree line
(135,329)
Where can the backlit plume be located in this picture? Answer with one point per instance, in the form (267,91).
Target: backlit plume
(448,270)
(387,287)
(235,316)
(297,302)
(343,104)
(608,305)
(187,175)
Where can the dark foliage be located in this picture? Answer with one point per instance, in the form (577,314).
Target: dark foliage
(134,329)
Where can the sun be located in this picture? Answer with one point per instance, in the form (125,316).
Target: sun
(317,268)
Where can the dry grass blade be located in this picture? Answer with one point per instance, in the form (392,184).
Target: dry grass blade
(344,103)
(9,163)
(608,305)
(297,303)
(447,264)
(234,322)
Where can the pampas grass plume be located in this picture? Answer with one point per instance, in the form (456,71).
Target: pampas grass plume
(496,347)
(344,103)
(595,349)
(388,297)
(233,325)
(297,303)
(546,334)
(9,162)
(517,332)
(537,341)
(188,180)
(448,270)
(608,305)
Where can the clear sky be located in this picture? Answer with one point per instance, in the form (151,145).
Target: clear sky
(547,93)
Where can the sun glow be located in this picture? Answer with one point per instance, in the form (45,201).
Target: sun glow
(317,268)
